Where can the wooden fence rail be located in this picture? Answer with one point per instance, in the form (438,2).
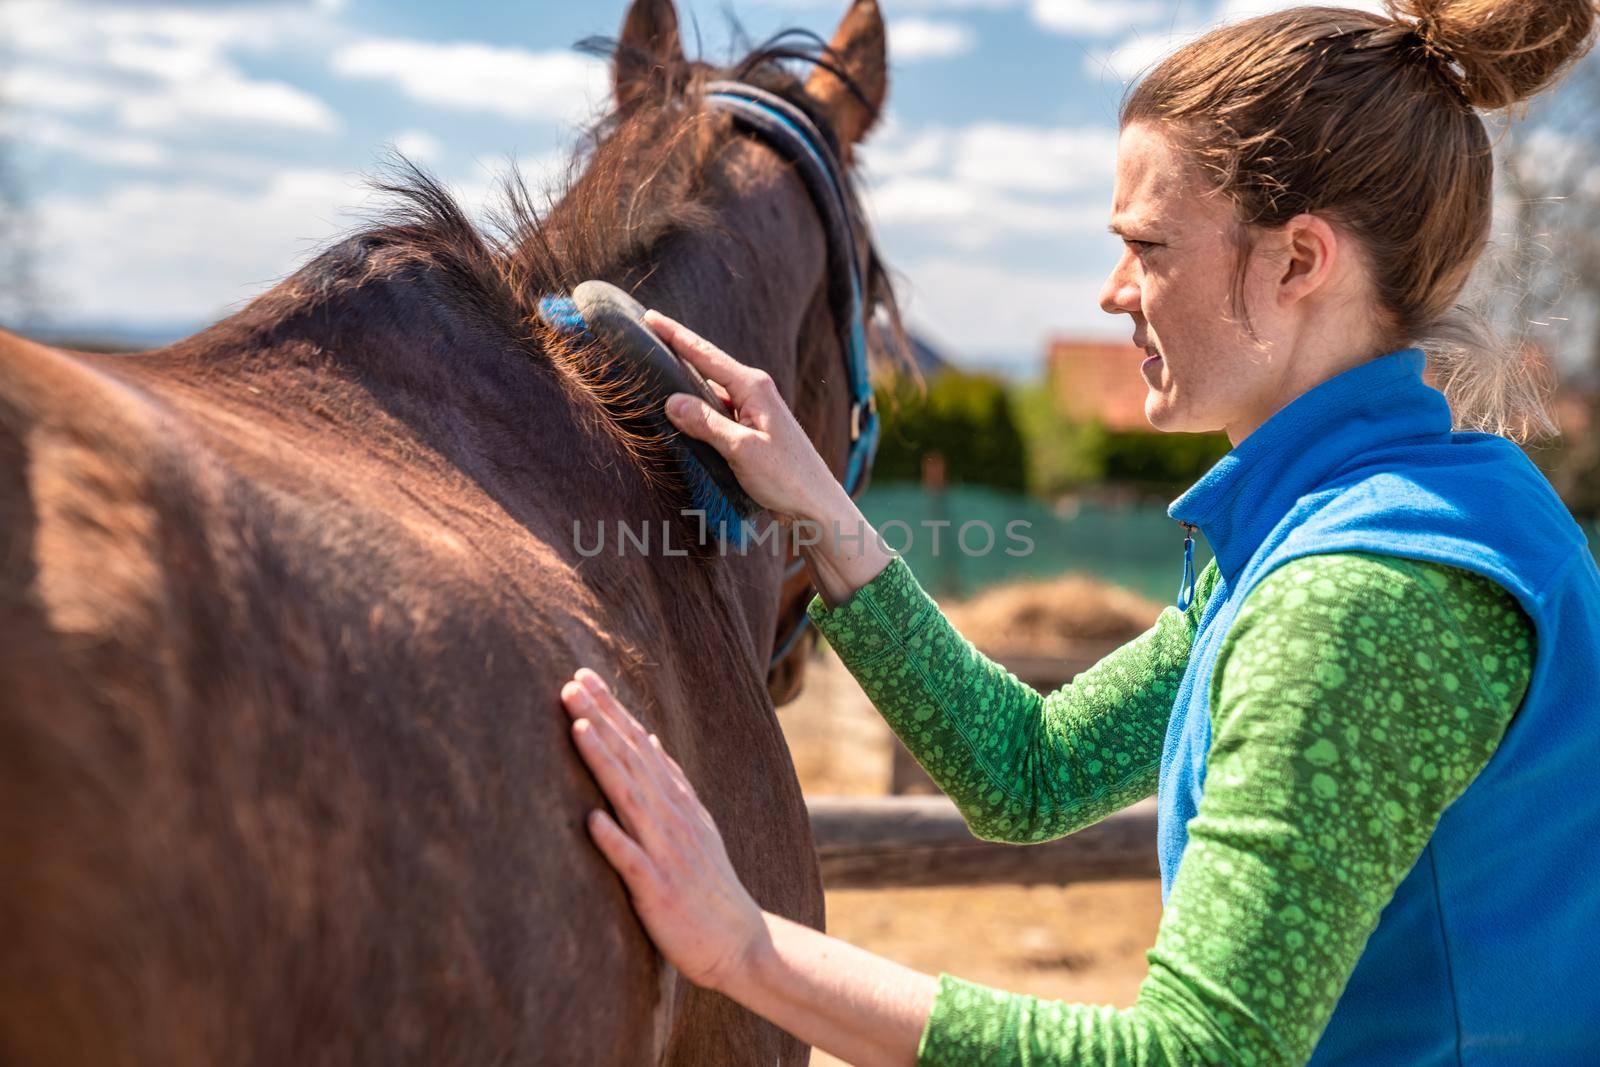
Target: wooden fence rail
(906,841)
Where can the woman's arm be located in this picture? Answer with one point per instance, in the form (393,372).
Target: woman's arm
(1314,810)
(1321,792)
(669,853)
(1020,766)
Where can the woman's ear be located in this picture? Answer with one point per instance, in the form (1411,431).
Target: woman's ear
(1310,252)
(859,50)
(648,50)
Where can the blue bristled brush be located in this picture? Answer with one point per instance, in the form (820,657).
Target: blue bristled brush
(606,313)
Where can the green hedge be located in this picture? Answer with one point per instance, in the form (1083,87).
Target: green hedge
(1015,438)
(967,418)
(1167,463)
(1062,455)
(1065,455)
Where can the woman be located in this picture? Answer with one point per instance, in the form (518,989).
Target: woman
(1368,721)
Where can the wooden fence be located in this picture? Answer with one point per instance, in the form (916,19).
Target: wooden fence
(916,836)
(898,842)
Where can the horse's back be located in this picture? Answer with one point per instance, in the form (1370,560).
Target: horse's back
(283,774)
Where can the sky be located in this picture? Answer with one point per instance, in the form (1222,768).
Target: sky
(180,158)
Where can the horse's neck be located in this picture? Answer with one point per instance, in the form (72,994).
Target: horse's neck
(416,366)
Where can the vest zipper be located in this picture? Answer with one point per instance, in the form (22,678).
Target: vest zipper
(1186,587)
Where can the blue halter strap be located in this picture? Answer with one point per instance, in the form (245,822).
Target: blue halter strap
(789,131)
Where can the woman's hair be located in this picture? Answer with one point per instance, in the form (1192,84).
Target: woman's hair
(1371,122)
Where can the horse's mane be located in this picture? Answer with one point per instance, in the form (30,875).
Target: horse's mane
(639,176)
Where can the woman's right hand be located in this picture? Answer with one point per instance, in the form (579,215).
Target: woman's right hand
(770,454)
(775,462)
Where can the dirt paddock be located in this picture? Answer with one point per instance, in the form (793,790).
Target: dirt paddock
(1081,942)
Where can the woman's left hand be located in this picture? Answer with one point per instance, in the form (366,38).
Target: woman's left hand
(667,850)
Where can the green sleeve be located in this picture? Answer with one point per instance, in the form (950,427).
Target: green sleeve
(1354,698)
(1020,766)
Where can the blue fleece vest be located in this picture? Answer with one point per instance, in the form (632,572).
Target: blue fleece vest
(1489,952)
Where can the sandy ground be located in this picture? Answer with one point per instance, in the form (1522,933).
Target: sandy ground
(1082,942)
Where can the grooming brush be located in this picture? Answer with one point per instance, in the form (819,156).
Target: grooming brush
(615,319)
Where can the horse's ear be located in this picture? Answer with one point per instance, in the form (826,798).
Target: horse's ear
(648,50)
(858,49)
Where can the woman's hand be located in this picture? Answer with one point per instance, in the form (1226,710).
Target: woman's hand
(773,459)
(668,850)
(769,452)
(842,999)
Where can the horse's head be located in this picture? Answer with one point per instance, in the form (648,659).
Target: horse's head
(723,177)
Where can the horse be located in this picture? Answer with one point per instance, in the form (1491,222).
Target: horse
(285,607)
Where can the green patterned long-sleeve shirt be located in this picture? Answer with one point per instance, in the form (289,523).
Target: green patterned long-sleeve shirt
(1354,697)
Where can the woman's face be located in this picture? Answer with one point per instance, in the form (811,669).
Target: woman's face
(1175,280)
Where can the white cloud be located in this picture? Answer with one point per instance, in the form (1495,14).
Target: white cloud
(1233,10)
(998,155)
(223,96)
(218,95)
(1093,18)
(1134,55)
(1035,159)
(418,145)
(970,217)
(170,41)
(198,248)
(970,186)
(975,307)
(1078,18)
(158,251)
(48,89)
(157,68)
(895,150)
(915,39)
(513,82)
(111,149)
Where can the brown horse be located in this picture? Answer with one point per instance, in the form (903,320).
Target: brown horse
(284,609)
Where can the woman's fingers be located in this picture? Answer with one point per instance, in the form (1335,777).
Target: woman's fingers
(642,751)
(610,706)
(738,380)
(623,853)
(666,848)
(623,786)
(646,746)
(641,795)
(697,419)
(648,743)
(632,752)
(704,356)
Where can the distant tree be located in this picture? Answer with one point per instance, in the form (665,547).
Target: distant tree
(1063,454)
(965,418)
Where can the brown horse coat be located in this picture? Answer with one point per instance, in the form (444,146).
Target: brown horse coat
(284,609)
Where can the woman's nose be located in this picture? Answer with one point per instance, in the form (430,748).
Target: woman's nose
(1120,294)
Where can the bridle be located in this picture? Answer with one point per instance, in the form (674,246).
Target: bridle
(789,131)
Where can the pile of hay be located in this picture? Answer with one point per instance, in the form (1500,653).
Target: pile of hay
(1057,617)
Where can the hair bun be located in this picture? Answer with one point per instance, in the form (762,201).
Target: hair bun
(1506,50)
